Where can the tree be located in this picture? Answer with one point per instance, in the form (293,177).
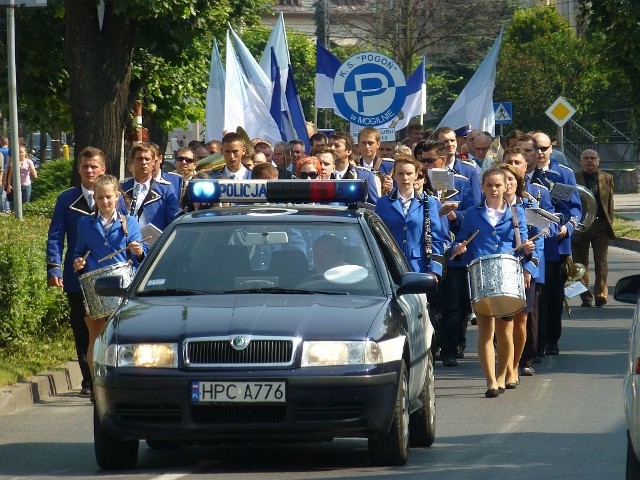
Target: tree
(457,33)
(540,59)
(617,23)
(99,60)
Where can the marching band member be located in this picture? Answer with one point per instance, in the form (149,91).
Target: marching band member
(102,234)
(499,228)
(414,222)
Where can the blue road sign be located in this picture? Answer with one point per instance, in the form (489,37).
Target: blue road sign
(369,89)
(503,112)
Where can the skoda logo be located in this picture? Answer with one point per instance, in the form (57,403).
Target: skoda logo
(239,342)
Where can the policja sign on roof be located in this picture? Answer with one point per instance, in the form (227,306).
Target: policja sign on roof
(369,89)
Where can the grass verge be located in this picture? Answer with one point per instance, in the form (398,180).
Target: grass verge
(625,227)
(19,363)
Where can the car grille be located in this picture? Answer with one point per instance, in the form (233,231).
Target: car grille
(238,414)
(329,413)
(149,412)
(260,351)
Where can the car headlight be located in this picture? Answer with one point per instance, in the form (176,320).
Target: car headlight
(146,355)
(318,354)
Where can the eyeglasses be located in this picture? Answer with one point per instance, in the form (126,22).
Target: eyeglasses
(185,159)
(420,176)
(429,160)
(309,175)
(543,149)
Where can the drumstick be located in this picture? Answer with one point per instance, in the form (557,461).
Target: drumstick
(466,242)
(86,255)
(111,255)
(535,237)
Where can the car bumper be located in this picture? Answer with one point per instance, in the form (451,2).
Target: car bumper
(632,409)
(350,402)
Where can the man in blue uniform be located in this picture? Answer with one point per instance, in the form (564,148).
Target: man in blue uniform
(342,144)
(71,205)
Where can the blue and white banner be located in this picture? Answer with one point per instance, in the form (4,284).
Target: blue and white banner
(214,108)
(327,66)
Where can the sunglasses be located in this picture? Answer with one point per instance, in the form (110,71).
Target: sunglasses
(420,176)
(185,159)
(429,160)
(544,149)
(309,175)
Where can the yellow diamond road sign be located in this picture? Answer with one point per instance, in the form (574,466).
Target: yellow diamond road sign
(560,111)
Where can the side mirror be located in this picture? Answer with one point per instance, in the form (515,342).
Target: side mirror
(412,282)
(110,286)
(627,289)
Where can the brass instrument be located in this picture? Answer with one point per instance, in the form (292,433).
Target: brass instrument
(212,164)
(589,209)
(575,272)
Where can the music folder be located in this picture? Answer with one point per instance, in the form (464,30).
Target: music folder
(150,230)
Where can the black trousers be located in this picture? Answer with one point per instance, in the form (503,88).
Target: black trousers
(455,301)
(80,334)
(531,344)
(551,304)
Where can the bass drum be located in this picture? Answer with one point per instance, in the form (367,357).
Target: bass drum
(496,284)
(98,306)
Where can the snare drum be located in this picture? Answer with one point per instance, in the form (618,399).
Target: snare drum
(497,285)
(96,305)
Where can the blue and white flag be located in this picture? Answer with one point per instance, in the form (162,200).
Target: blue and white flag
(296,114)
(327,66)
(255,75)
(416,102)
(474,105)
(244,107)
(214,108)
(276,99)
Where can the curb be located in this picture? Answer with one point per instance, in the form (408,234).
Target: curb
(626,243)
(14,398)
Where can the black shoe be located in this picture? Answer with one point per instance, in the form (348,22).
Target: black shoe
(511,385)
(587,304)
(85,392)
(527,372)
(501,390)
(459,351)
(552,349)
(449,360)
(492,393)
(601,302)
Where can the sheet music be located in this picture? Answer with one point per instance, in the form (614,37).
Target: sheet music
(441,179)
(562,191)
(150,230)
(576,288)
(539,220)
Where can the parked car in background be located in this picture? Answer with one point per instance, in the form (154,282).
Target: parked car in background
(628,291)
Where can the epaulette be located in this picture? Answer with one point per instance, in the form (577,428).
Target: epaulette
(163,181)
(539,185)
(471,163)
(172,173)
(460,176)
(564,166)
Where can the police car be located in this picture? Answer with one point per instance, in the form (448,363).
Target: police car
(281,319)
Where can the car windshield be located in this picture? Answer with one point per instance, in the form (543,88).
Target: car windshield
(286,258)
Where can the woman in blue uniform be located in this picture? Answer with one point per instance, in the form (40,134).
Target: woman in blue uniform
(496,224)
(413,219)
(101,234)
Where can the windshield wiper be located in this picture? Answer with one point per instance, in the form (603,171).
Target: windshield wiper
(169,292)
(283,290)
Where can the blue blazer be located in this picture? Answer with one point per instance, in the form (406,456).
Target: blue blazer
(92,237)
(160,205)
(570,210)
(70,207)
(409,231)
(386,166)
(175,180)
(490,240)
(360,173)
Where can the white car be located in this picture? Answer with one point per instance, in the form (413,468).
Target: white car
(628,291)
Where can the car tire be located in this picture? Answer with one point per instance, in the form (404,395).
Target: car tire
(633,465)
(392,449)
(422,424)
(111,453)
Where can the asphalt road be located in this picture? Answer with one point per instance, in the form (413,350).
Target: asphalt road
(566,422)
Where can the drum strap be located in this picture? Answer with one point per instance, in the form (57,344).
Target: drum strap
(123,220)
(516,227)
(428,245)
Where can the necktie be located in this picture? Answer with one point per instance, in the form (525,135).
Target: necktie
(338,176)
(405,206)
(90,201)
(137,198)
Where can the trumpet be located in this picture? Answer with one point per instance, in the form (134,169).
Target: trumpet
(575,272)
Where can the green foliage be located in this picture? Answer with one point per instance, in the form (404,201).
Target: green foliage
(540,59)
(28,308)
(440,94)
(53,177)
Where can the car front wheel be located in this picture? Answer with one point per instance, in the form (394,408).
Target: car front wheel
(111,453)
(422,424)
(393,448)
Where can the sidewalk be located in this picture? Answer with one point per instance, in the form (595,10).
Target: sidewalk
(23,395)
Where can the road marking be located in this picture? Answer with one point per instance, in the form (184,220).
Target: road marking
(505,430)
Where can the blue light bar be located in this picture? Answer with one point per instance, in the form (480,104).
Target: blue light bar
(279,191)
